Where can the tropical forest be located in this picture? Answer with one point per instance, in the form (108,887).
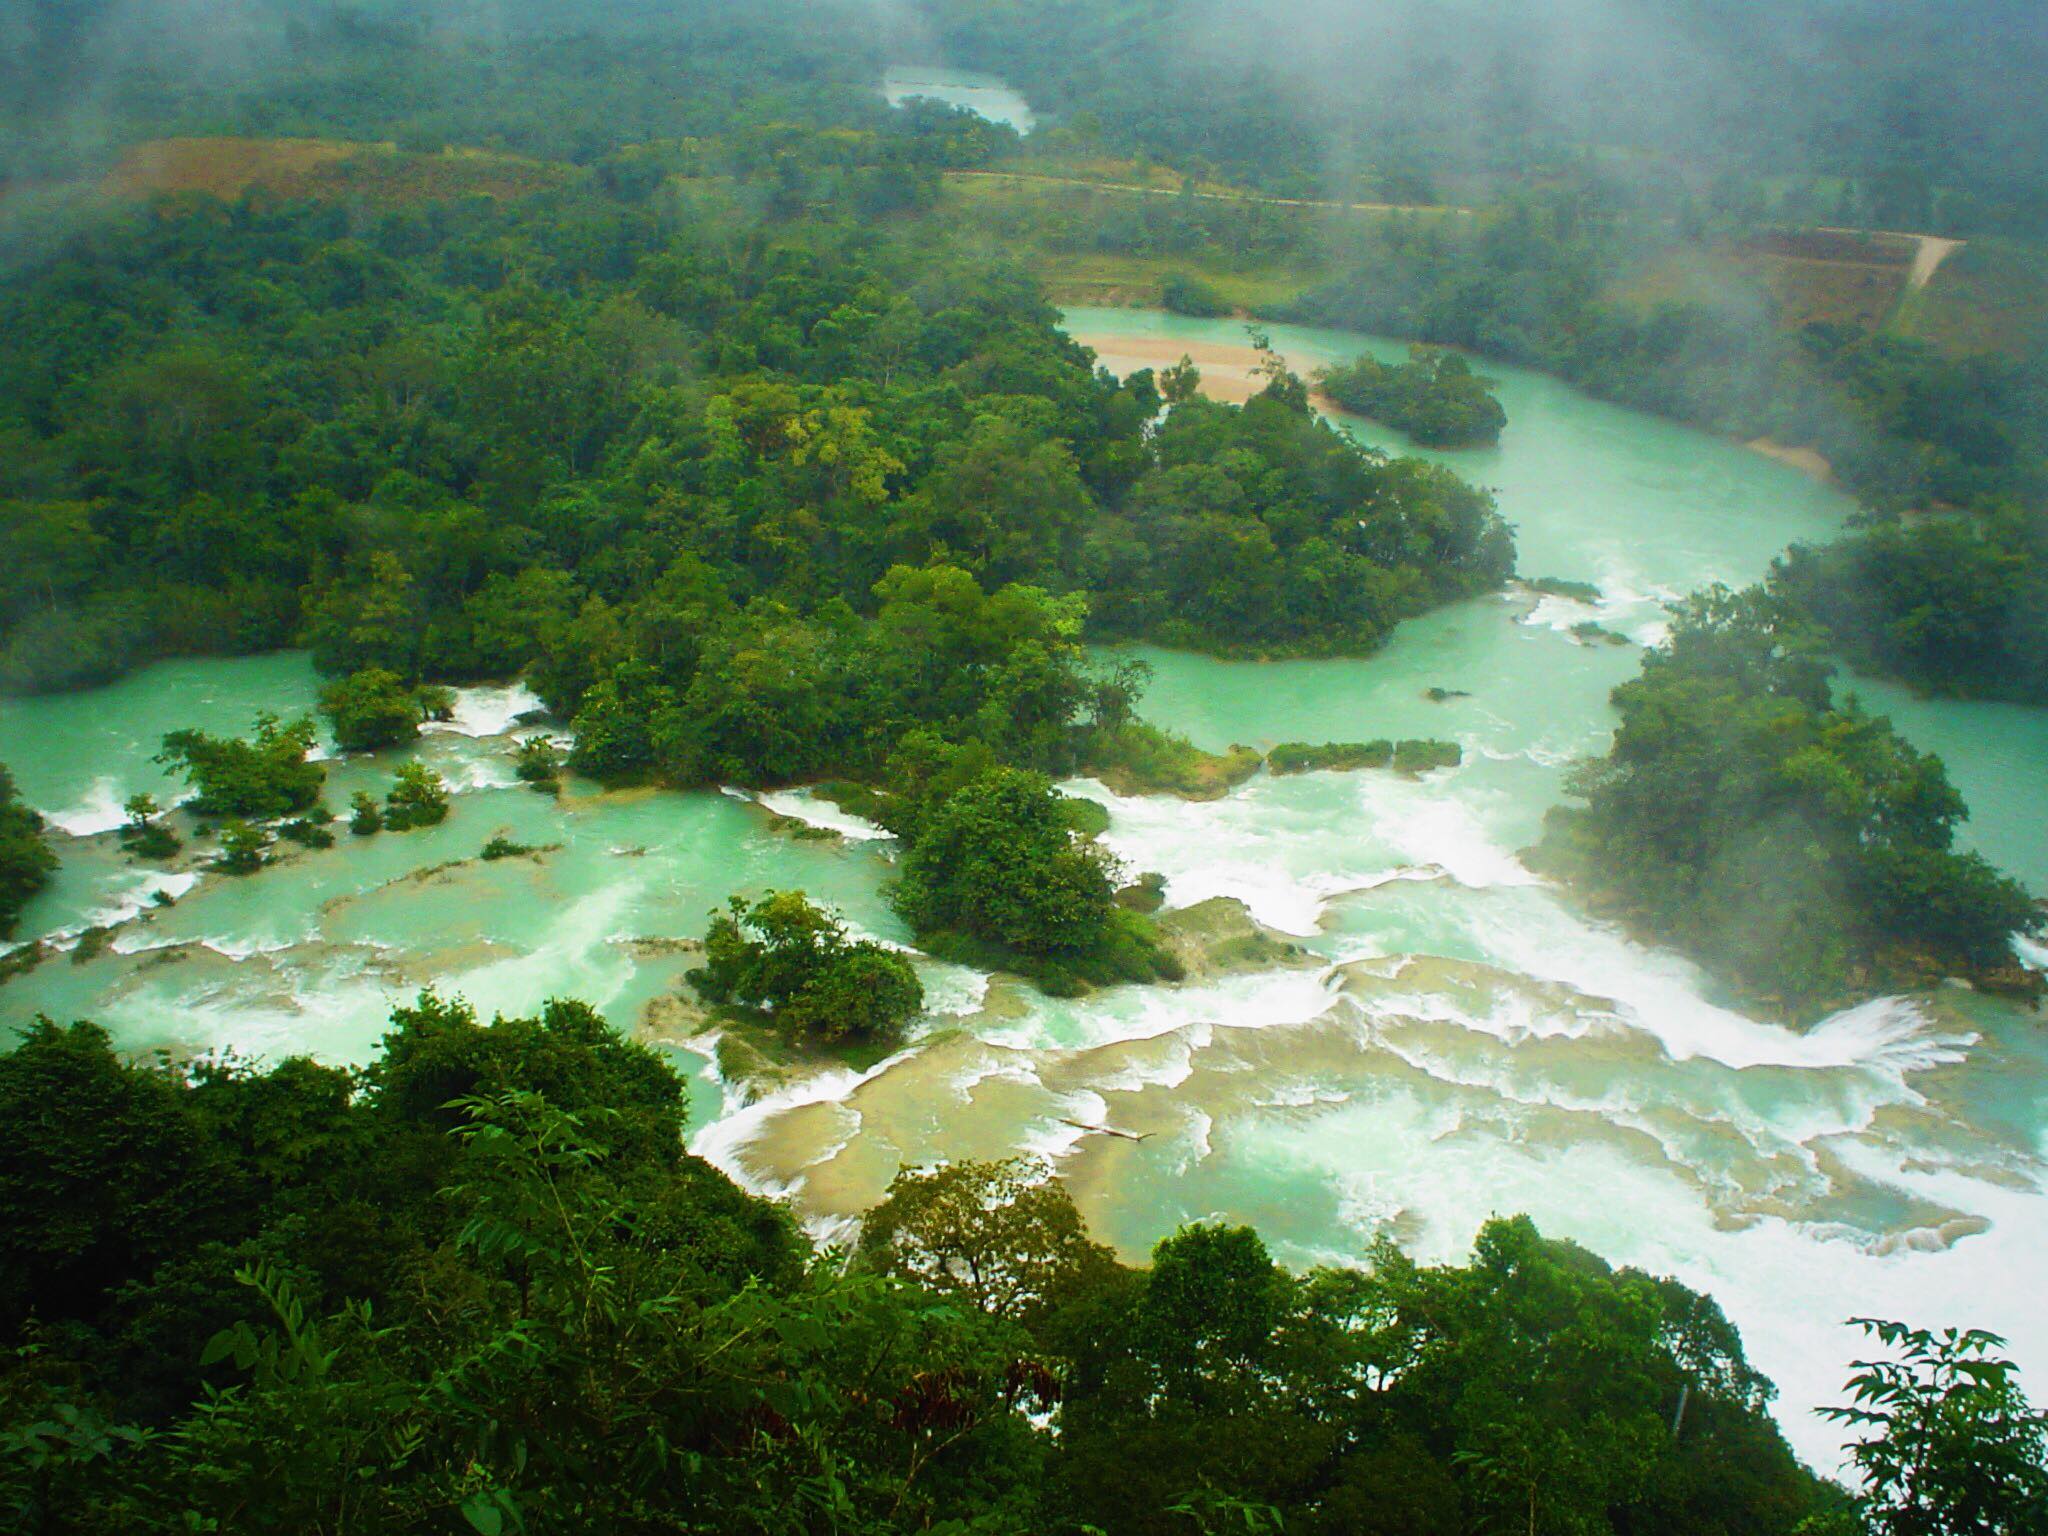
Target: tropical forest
(1023,768)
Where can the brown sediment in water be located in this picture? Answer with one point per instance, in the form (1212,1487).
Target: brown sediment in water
(1138,1125)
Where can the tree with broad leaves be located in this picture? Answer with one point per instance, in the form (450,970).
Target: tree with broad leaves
(1954,1448)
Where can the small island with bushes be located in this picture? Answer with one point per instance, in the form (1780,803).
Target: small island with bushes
(1434,397)
(786,958)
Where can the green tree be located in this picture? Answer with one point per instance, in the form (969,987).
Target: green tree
(370,709)
(417,798)
(366,817)
(788,956)
(1005,1236)
(145,834)
(375,618)
(998,863)
(1796,846)
(241,848)
(262,778)
(1947,1443)
(26,861)
(102,1174)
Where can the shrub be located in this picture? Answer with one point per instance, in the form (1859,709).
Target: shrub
(418,799)
(241,848)
(145,836)
(365,818)
(785,955)
(254,780)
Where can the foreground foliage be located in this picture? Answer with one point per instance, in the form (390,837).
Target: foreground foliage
(1948,1443)
(479,1285)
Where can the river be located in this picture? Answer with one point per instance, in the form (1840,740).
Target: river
(984,95)
(1455,1043)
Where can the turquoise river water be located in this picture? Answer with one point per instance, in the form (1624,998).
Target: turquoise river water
(1455,1042)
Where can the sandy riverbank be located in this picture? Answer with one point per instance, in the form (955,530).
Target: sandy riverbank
(1229,373)
(1808,461)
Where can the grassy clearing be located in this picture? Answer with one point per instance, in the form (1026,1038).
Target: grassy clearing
(1807,292)
(1991,296)
(1803,278)
(1138,281)
(228,168)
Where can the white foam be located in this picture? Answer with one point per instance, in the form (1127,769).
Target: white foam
(489,711)
(1253,847)
(1562,614)
(805,806)
(247,949)
(136,892)
(1663,993)
(99,811)
(1434,830)
(952,991)
(465,775)
(992,1069)
(1121,1014)
(2032,952)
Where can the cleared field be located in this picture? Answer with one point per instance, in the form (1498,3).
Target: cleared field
(1854,283)
(1806,291)
(1991,296)
(1167,185)
(224,168)
(323,168)
(1112,280)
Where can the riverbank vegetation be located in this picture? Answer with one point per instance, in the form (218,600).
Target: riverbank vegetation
(1954,604)
(479,1285)
(995,876)
(26,862)
(1434,397)
(1794,845)
(681,426)
(1949,453)
(373,708)
(1903,425)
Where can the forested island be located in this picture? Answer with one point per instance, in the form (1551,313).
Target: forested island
(1434,397)
(652,361)
(1792,843)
